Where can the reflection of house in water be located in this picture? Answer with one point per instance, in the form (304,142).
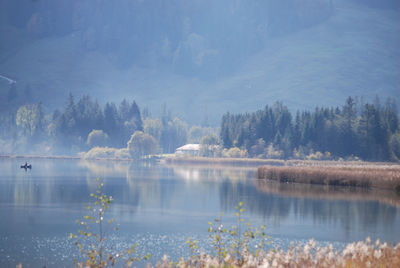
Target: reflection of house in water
(188,150)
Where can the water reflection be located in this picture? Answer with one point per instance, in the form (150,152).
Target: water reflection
(198,192)
(176,201)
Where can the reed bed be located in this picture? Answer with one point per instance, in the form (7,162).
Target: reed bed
(360,254)
(338,163)
(378,176)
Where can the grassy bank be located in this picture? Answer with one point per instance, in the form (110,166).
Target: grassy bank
(40,156)
(369,175)
(223,161)
(172,159)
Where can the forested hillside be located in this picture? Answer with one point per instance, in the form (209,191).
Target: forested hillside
(205,57)
(356,129)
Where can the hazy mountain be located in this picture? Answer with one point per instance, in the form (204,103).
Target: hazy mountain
(202,57)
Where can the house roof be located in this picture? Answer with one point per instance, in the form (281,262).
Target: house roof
(189,147)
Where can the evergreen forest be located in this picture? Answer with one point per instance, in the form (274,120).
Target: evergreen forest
(355,130)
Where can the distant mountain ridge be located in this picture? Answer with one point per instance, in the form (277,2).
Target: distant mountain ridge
(203,58)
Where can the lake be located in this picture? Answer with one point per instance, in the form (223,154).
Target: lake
(158,207)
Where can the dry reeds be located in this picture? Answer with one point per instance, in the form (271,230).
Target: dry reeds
(379,176)
(360,254)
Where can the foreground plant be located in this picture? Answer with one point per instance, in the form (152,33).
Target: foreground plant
(232,245)
(93,233)
(355,255)
(242,246)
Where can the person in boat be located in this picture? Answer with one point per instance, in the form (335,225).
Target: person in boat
(26,166)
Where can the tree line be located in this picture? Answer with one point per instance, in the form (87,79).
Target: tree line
(356,129)
(366,130)
(83,124)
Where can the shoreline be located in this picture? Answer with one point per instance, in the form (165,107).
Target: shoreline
(64,157)
(361,174)
(41,157)
(211,161)
(258,162)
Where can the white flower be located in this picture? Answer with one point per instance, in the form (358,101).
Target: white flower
(307,249)
(312,243)
(165,258)
(331,256)
(377,254)
(227,257)
(349,249)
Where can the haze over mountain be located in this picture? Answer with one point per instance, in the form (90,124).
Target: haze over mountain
(202,58)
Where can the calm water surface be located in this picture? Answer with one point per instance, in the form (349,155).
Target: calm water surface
(158,207)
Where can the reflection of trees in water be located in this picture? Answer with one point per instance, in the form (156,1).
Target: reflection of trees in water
(276,207)
(151,185)
(105,168)
(271,206)
(158,187)
(337,204)
(66,184)
(205,174)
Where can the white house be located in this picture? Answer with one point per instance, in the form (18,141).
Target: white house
(188,150)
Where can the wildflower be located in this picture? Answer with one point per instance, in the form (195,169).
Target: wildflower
(312,243)
(227,258)
(377,254)
(349,249)
(307,249)
(287,259)
(331,256)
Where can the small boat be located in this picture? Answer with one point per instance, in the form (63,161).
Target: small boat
(26,166)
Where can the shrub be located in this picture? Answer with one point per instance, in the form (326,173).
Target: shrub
(97,138)
(142,144)
(106,153)
(91,239)
(235,152)
(232,246)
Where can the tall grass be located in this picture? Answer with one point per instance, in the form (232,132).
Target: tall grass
(360,254)
(379,176)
